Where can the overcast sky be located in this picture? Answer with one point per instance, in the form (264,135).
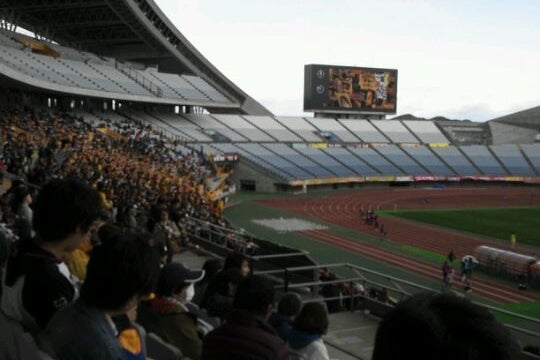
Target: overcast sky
(475,59)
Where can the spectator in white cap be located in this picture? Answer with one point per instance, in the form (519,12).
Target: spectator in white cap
(167,315)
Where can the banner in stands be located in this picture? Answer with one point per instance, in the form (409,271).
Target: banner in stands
(513,178)
(330,88)
(531,180)
(408,145)
(328,181)
(438,145)
(321,145)
(431,178)
(484,178)
(421,178)
(404,178)
(380,178)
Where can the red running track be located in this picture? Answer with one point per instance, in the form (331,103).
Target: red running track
(344,209)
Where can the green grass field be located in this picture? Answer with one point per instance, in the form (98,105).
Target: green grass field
(496,223)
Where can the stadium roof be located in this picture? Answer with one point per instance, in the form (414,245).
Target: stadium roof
(132,30)
(529,118)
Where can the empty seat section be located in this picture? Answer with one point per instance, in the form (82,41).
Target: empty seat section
(483,159)
(401,160)
(231,148)
(206,88)
(333,126)
(426,131)
(375,160)
(166,90)
(301,127)
(532,151)
(227,148)
(15,62)
(512,159)
(325,160)
(353,162)
(71,69)
(26,62)
(73,73)
(122,79)
(240,124)
(158,123)
(455,159)
(94,75)
(272,160)
(7,39)
(427,159)
(395,130)
(207,122)
(180,86)
(182,125)
(273,128)
(364,130)
(300,160)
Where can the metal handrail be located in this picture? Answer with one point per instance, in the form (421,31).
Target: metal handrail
(285,276)
(367,282)
(275,256)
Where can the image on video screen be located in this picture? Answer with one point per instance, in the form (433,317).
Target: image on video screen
(361,89)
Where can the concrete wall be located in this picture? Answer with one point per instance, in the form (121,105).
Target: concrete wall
(509,134)
(244,170)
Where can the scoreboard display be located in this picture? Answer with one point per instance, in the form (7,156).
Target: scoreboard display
(329,88)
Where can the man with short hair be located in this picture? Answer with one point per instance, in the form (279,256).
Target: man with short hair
(38,282)
(245,334)
(121,272)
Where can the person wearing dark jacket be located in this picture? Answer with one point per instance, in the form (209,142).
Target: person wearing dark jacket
(168,316)
(121,272)
(37,281)
(221,302)
(211,268)
(245,333)
(282,321)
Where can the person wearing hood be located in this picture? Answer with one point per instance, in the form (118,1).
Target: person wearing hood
(305,341)
(167,314)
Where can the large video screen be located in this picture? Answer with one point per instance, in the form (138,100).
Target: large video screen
(329,88)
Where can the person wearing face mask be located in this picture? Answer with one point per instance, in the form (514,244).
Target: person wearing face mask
(167,314)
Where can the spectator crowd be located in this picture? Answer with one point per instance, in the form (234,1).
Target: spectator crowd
(88,272)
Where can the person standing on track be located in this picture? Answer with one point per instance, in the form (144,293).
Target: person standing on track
(451,256)
(446,270)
